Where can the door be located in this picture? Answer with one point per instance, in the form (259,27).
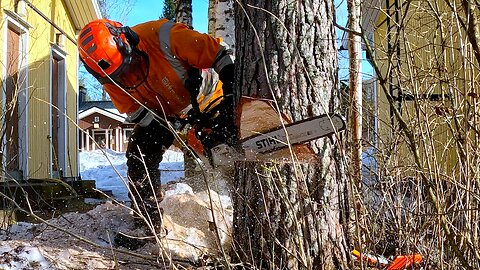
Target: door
(55,116)
(11,136)
(58,112)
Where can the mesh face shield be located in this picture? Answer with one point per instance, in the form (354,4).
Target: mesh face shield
(133,71)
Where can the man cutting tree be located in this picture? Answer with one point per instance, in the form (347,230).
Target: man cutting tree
(152,72)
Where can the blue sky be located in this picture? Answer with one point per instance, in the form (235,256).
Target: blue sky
(146,10)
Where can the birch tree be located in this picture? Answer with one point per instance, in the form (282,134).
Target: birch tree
(290,215)
(221,21)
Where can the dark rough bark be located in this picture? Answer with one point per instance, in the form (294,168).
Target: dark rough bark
(290,216)
(183,12)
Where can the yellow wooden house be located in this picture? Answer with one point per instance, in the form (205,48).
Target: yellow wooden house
(427,70)
(39,134)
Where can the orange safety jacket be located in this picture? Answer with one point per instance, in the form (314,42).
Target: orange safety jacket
(172,49)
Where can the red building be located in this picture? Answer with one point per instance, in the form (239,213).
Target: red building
(102,126)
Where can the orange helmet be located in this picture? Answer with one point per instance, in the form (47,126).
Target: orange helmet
(109,53)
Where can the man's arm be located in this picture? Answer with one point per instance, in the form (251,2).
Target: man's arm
(199,50)
(121,99)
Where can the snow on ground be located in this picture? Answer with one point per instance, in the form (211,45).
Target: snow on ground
(105,167)
(22,246)
(45,247)
(22,257)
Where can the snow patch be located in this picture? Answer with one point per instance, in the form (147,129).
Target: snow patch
(22,257)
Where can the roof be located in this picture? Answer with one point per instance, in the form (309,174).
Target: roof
(106,105)
(106,108)
(83,11)
(370,11)
(101,111)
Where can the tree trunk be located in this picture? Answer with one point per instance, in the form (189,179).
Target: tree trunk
(183,12)
(355,79)
(290,215)
(221,21)
(355,82)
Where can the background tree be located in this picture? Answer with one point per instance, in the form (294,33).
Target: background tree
(221,21)
(290,215)
(356,112)
(117,9)
(169,9)
(183,12)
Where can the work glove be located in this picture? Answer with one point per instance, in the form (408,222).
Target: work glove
(224,125)
(227,76)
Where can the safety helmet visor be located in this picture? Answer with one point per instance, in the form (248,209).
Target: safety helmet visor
(133,71)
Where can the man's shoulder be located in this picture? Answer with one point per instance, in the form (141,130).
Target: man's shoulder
(154,24)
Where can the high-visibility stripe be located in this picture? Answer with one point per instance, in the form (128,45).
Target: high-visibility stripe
(164,37)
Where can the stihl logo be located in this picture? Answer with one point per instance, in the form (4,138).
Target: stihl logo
(267,142)
(298,132)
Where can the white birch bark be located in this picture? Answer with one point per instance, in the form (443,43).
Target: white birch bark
(355,54)
(221,22)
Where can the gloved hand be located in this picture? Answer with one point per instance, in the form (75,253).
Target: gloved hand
(224,126)
(227,77)
(218,125)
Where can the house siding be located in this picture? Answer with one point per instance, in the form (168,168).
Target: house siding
(43,39)
(419,71)
(43,36)
(98,126)
(102,126)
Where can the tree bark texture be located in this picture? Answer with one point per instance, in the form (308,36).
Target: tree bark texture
(355,82)
(183,12)
(290,215)
(221,21)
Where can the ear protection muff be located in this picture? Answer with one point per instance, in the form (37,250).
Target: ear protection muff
(131,36)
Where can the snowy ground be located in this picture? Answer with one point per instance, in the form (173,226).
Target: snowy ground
(106,167)
(36,246)
(45,246)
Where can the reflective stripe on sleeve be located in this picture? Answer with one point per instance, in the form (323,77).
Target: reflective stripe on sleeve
(164,37)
